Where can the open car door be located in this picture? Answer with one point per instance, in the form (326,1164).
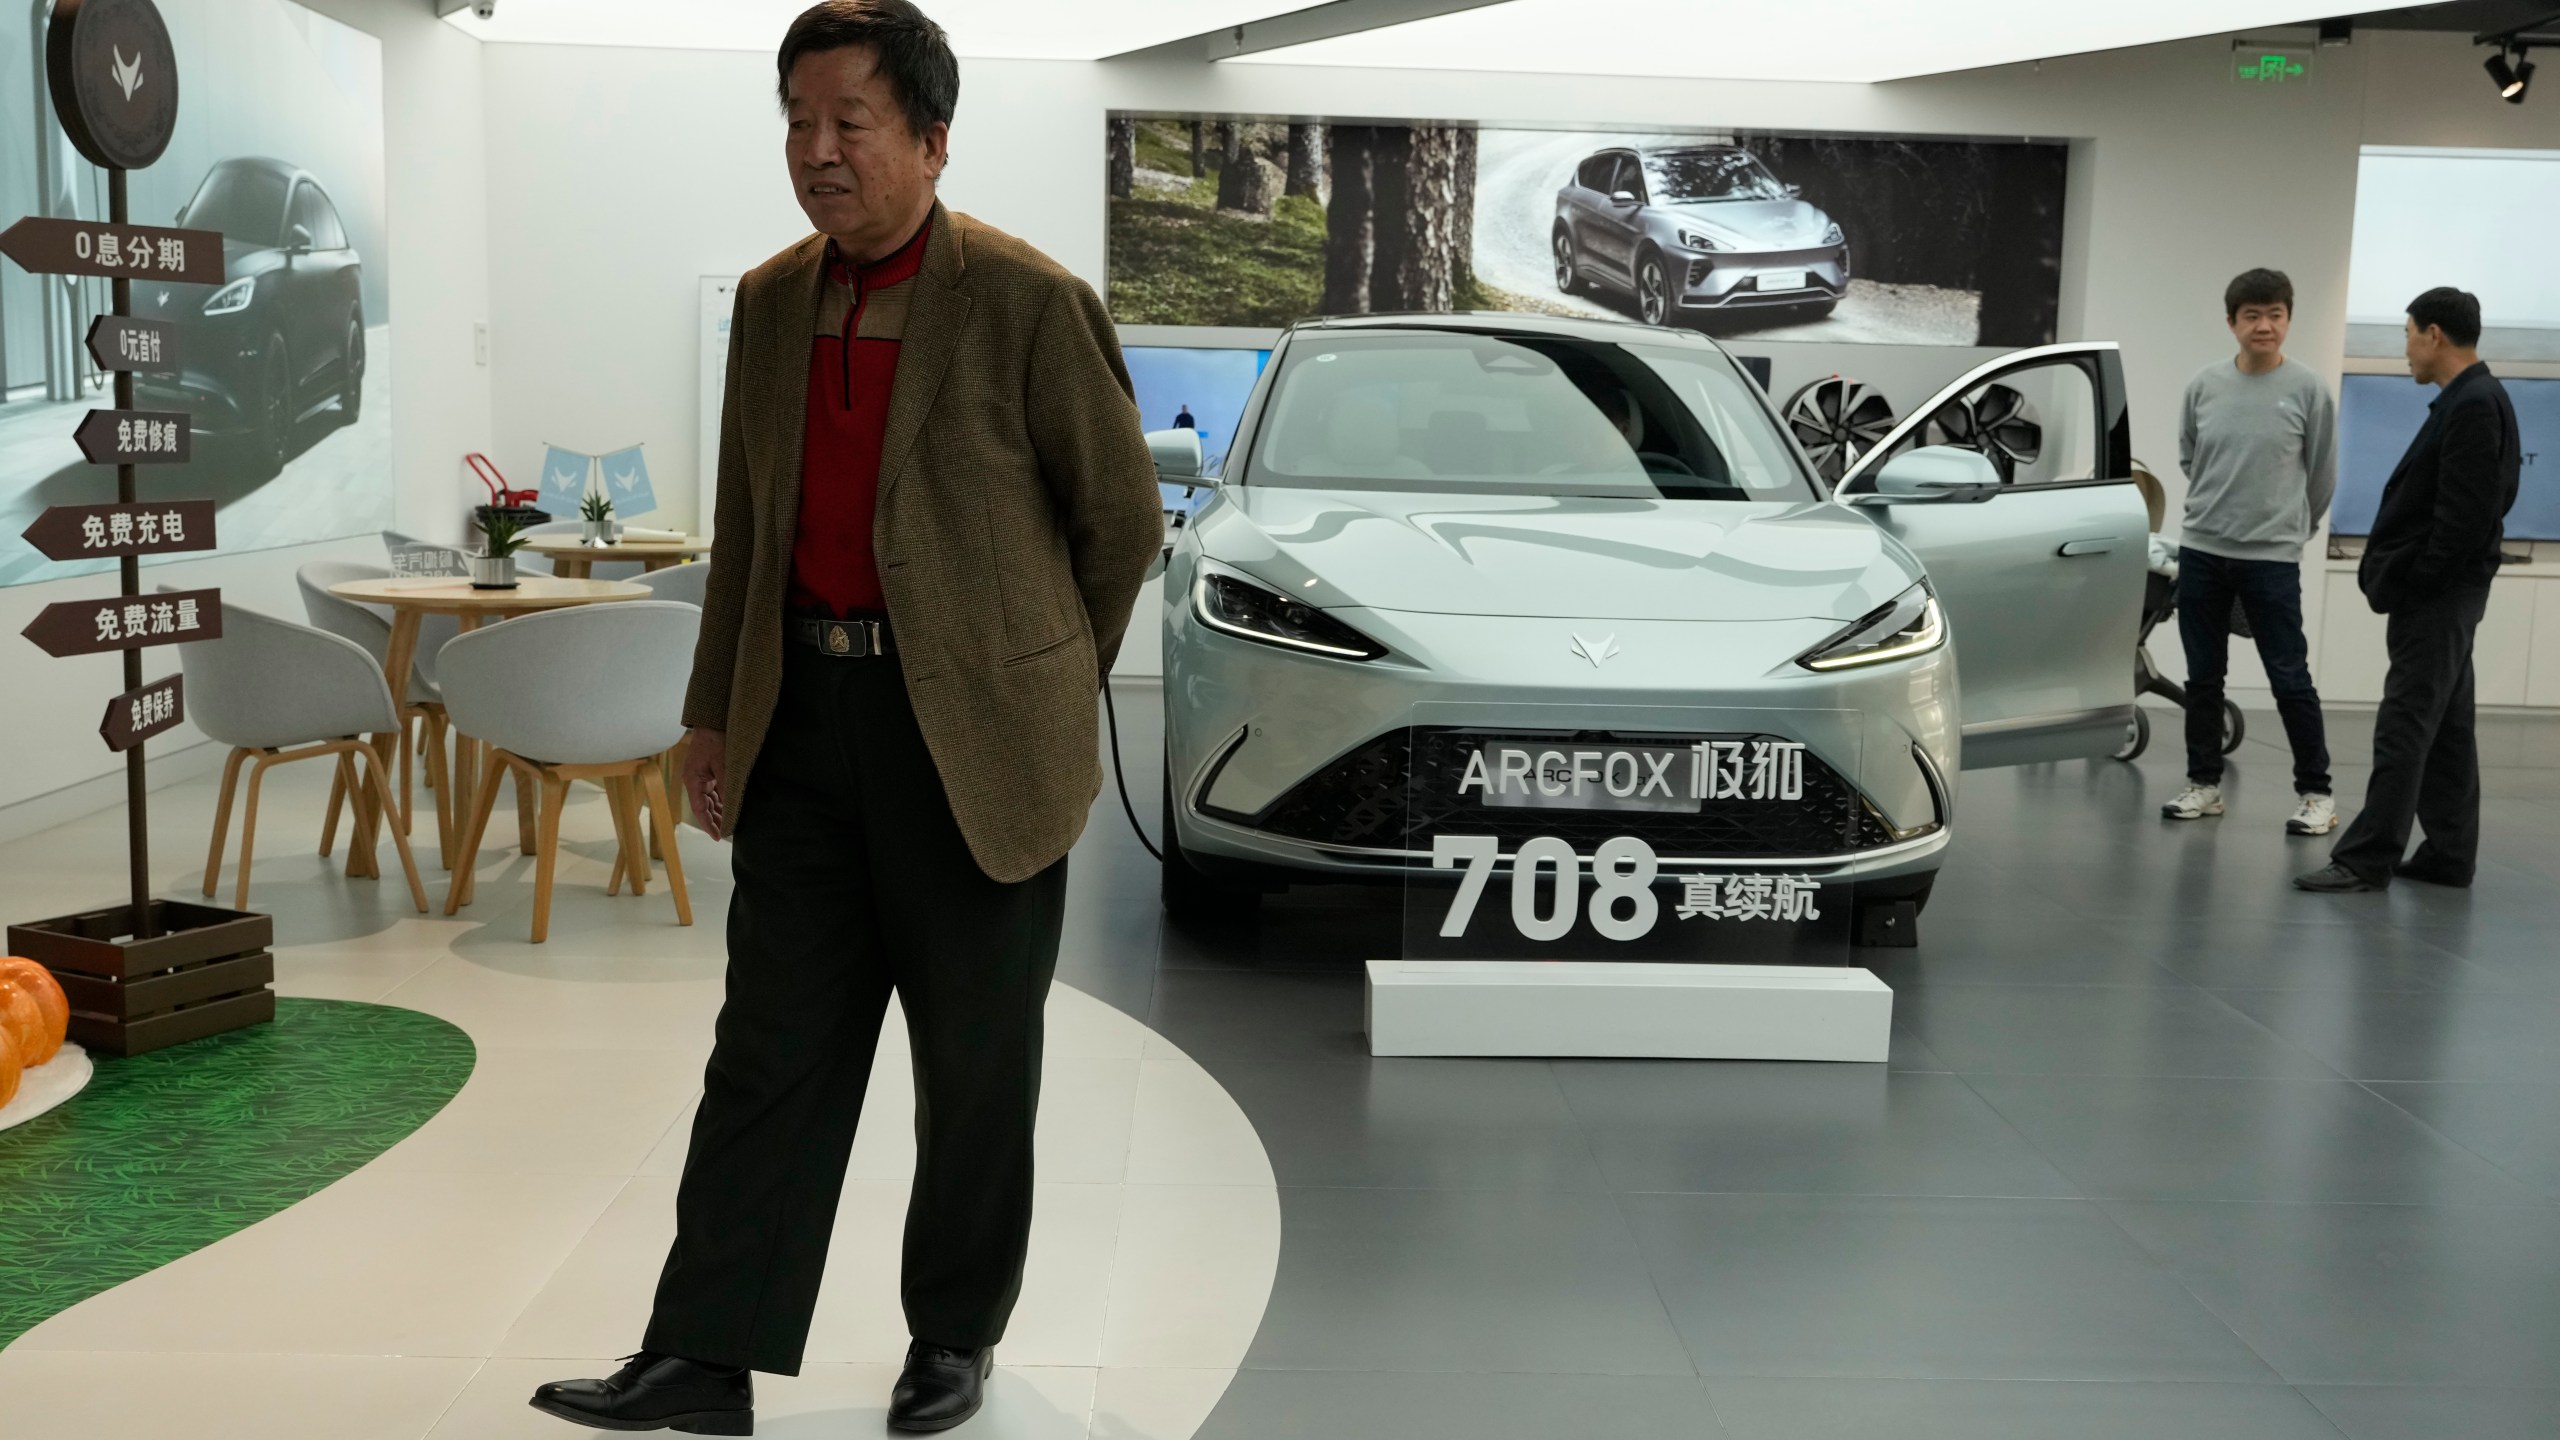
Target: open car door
(2041,576)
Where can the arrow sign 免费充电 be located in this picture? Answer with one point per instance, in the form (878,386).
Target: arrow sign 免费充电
(99,532)
(137,715)
(47,246)
(118,342)
(134,437)
(94,627)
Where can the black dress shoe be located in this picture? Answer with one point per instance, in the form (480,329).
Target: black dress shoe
(940,1386)
(2335,879)
(2433,874)
(657,1392)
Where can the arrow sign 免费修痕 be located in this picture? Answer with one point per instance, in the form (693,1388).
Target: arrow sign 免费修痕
(137,715)
(134,437)
(119,342)
(99,532)
(126,622)
(48,246)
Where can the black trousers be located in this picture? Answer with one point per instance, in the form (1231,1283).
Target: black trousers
(852,881)
(2270,594)
(2426,748)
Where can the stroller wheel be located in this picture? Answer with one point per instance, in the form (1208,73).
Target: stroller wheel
(2235,728)
(2137,736)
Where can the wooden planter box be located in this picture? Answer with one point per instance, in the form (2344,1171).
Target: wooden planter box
(207,971)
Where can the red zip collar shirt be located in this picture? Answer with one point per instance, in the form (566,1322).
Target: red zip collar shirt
(853,362)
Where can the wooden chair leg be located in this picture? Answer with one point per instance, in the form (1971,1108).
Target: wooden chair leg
(249,828)
(662,817)
(337,799)
(528,795)
(626,837)
(408,809)
(627,794)
(222,819)
(546,851)
(399,838)
(467,851)
(440,780)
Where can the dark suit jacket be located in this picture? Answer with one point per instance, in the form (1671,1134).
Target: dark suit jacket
(1018,513)
(2443,512)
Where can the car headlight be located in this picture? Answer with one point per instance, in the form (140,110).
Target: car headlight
(1831,234)
(1909,624)
(233,297)
(1240,607)
(1698,241)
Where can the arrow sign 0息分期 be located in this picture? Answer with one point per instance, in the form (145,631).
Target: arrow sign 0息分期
(47,246)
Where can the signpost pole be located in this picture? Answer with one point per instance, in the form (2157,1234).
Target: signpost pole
(136,791)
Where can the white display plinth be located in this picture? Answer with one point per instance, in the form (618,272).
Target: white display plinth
(1627,1010)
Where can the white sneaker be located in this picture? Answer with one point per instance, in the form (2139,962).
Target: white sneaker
(2318,816)
(2194,803)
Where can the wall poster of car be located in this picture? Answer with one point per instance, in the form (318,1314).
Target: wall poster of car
(1223,220)
(279,147)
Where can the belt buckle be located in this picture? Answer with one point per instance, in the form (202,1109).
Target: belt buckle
(839,642)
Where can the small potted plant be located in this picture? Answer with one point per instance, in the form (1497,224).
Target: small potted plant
(596,514)
(494,568)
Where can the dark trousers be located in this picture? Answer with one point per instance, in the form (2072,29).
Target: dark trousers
(2426,748)
(852,881)
(2269,593)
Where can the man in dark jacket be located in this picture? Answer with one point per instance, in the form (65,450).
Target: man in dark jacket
(2427,565)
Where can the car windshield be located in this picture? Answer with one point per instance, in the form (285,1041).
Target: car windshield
(1687,177)
(1518,414)
(243,202)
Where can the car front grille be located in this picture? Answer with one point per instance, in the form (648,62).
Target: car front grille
(1363,800)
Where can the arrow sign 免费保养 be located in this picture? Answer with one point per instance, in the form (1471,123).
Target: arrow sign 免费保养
(134,437)
(118,342)
(94,627)
(99,532)
(137,715)
(47,246)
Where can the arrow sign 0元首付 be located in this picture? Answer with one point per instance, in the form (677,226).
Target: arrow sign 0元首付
(47,246)
(126,622)
(120,342)
(137,715)
(134,437)
(102,532)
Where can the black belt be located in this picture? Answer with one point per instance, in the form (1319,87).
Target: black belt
(841,639)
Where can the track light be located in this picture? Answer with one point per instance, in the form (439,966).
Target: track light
(2512,78)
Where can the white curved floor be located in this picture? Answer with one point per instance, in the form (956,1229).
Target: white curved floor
(516,1237)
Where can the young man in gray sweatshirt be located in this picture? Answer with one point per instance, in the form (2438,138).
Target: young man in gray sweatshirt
(2257,438)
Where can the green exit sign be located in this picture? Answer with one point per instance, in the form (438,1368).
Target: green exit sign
(2269,65)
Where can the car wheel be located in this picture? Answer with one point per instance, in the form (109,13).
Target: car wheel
(2137,736)
(1568,264)
(1190,895)
(2235,727)
(1653,290)
(275,409)
(351,382)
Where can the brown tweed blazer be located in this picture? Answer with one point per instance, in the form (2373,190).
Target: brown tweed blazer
(1018,514)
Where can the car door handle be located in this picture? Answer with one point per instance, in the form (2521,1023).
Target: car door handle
(2097,546)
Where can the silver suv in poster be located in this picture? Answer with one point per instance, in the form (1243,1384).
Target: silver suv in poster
(1436,537)
(1695,229)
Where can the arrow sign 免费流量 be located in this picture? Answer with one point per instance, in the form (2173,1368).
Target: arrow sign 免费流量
(137,715)
(101,532)
(119,342)
(134,437)
(47,246)
(126,622)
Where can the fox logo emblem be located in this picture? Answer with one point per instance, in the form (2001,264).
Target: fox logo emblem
(128,73)
(1595,651)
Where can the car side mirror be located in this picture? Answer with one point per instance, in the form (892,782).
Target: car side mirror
(298,239)
(1795,192)
(1622,197)
(1936,472)
(1177,454)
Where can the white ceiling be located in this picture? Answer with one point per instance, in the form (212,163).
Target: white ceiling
(1001,29)
(1851,40)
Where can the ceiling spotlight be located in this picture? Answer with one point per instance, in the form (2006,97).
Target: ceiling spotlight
(2511,78)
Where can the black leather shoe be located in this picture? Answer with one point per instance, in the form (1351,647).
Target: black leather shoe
(657,1392)
(2433,874)
(940,1386)
(2335,879)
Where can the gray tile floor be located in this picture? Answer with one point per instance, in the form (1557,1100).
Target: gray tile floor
(2165,1149)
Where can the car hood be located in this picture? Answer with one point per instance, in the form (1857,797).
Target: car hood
(1556,556)
(1758,222)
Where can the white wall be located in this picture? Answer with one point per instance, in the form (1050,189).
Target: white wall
(56,765)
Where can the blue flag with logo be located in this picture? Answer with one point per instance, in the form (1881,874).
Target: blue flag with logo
(626,483)
(564,481)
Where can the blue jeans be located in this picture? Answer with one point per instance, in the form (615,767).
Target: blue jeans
(2270,594)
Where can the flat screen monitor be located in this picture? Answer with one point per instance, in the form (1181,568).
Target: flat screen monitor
(1196,388)
(2378,415)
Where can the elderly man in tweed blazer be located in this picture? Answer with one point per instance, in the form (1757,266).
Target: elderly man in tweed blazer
(935,509)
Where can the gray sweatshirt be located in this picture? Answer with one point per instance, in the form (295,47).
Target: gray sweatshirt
(2261,456)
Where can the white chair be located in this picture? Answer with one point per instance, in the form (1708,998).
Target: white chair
(276,692)
(370,627)
(591,693)
(687,583)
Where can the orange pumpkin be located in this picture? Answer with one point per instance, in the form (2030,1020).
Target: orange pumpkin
(37,981)
(23,1018)
(8,1065)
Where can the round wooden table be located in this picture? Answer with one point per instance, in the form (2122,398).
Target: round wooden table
(411,599)
(571,557)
